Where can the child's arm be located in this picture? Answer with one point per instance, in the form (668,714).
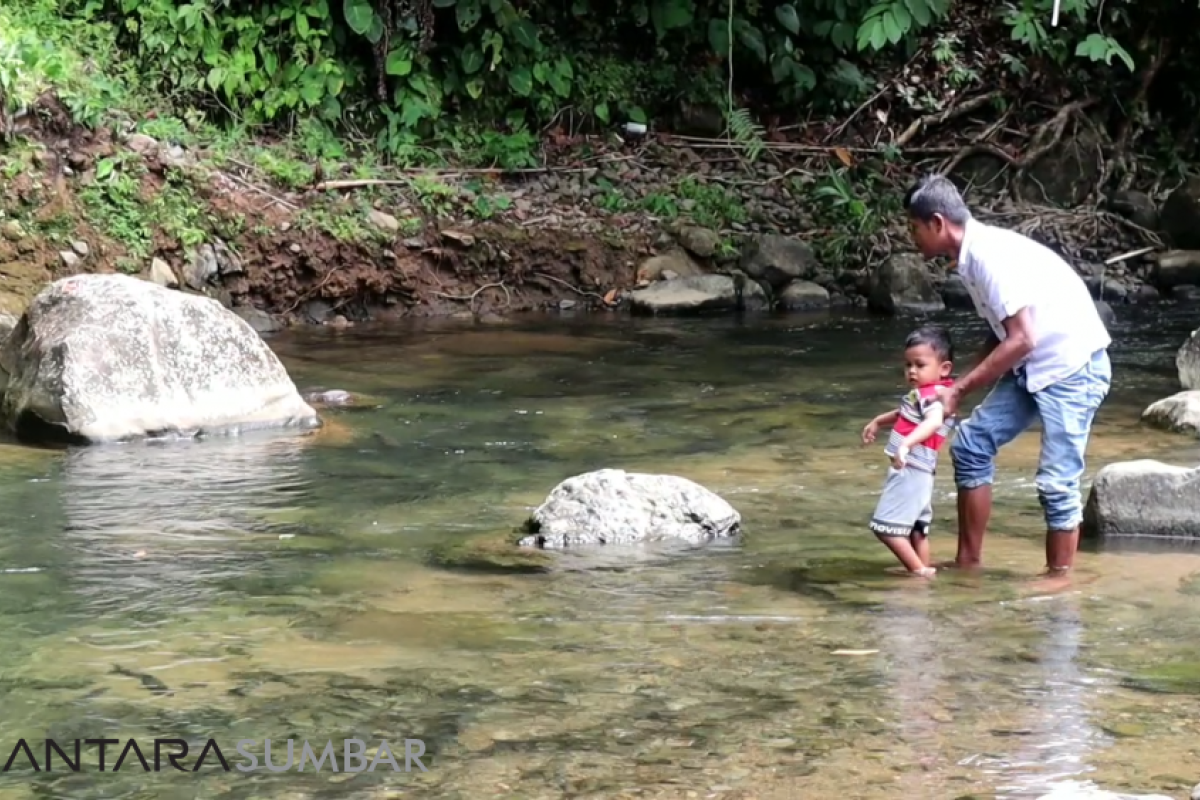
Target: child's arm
(930,423)
(872,427)
(887,418)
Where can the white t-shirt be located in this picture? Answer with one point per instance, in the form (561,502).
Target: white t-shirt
(1005,272)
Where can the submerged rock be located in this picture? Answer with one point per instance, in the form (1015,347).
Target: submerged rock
(1144,498)
(698,293)
(1179,413)
(802,295)
(1187,361)
(611,506)
(1086,790)
(99,358)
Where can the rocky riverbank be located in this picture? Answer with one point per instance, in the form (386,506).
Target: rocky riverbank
(659,226)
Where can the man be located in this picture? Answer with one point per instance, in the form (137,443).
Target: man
(1048,358)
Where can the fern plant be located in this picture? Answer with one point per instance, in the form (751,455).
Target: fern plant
(740,126)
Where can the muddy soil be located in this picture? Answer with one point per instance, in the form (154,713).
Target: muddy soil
(287,267)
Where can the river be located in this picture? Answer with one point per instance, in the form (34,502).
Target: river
(285,586)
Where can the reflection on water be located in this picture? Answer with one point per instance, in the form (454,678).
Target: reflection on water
(281,585)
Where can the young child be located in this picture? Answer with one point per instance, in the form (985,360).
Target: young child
(905,510)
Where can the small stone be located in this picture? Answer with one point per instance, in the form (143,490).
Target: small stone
(201,268)
(566,305)
(141,144)
(12,230)
(700,242)
(465,239)
(295,249)
(338,322)
(414,243)
(69,259)
(81,248)
(384,221)
(162,274)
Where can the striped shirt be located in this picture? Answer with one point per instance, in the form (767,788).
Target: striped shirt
(913,408)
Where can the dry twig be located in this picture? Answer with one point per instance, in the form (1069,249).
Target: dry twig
(470,298)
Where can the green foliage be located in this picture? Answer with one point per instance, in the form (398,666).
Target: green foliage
(116,203)
(482,78)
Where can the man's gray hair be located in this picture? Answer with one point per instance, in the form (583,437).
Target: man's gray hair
(935,194)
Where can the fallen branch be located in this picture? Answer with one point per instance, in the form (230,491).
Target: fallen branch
(576,289)
(470,298)
(942,117)
(359,183)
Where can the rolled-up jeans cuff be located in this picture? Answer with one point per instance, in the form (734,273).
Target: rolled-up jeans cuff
(972,483)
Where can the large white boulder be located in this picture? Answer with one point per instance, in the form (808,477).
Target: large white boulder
(1144,498)
(611,506)
(98,358)
(1187,361)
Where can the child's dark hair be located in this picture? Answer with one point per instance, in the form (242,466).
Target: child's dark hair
(936,337)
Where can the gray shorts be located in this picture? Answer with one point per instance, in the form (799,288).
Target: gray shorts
(906,504)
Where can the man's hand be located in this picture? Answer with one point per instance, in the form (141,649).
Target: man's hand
(869,432)
(901,458)
(949,397)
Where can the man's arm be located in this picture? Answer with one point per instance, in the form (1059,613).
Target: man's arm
(1018,343)
(989,344)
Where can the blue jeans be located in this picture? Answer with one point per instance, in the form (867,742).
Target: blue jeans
(1066,409)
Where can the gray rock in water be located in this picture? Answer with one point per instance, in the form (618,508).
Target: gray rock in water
(262,322)
(1144,498)
(99,358)
(802,295)
(1179,413)
(696,293)
(1187,361)
(902,285)
(955,294)
(611,506)
(1180,215)
(1176,268)
(777,260)
(1186,293)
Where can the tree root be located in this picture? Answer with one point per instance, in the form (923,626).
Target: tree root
(919,125)
(469,299)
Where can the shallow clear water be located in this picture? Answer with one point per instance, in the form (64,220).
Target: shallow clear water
(290,586)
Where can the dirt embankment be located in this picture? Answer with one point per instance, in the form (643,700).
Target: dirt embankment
(73,200)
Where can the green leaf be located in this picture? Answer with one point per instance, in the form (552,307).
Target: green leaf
(919,10)
(475,88)
(472,59)
(752,39)
(399,62)
(902,17)
(781,68)
(521,81)
(359,14)
(467,13)
(718,37)
(601,112)
(667,15)
(788,18)
(376,31)
(636,114)
(525,34)
(891,28)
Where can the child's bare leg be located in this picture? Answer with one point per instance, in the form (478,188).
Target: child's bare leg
(902,548)
(920,545)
